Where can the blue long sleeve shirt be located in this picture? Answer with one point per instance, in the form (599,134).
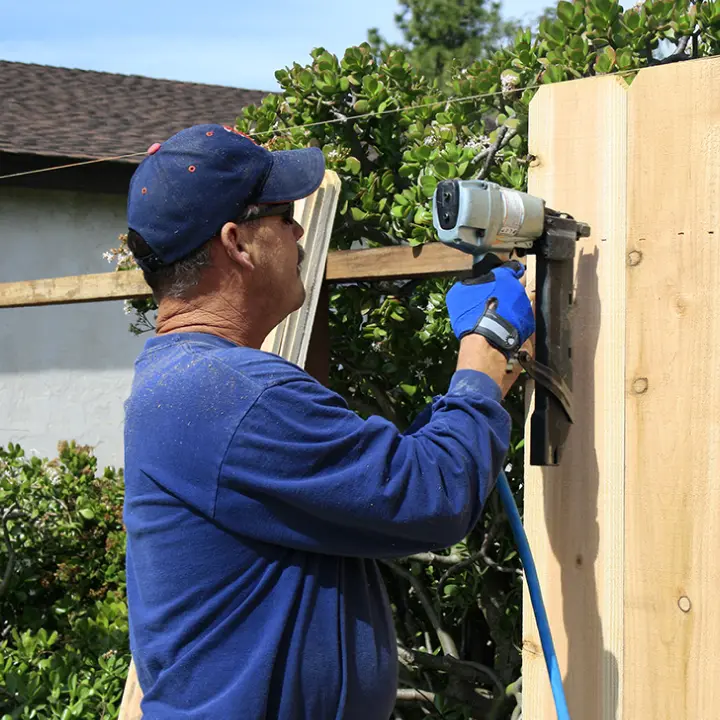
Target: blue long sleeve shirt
(256,506)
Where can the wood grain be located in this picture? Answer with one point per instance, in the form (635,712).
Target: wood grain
(672,572)
(574,512)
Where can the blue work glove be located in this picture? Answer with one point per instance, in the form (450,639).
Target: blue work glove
(495,306)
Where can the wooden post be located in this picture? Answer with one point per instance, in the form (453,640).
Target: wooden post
(626,531)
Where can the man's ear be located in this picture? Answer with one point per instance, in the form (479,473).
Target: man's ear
(235,241)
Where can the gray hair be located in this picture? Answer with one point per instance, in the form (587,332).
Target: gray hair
(179,279)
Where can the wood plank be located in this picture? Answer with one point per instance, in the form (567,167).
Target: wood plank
(96,287)
(672,574)
(397,262)
(132,696)
(316,214)
(573,512)
(430,260)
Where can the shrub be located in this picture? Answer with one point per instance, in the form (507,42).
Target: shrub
(63,629)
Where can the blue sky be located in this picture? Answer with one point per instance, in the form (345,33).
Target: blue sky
(237,43)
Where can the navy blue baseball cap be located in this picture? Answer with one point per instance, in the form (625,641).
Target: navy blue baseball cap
(204,176)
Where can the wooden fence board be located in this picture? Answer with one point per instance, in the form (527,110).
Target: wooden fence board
(672,573)
(95,287)
(430,260)
(573,512)
(316,214)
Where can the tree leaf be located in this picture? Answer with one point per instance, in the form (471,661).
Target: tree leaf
(352,165)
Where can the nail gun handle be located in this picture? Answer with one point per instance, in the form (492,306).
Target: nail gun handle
(485,264)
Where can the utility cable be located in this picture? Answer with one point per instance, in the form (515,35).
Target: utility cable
(333,121)
(351,118)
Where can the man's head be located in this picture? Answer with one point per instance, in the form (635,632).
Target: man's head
(209,202)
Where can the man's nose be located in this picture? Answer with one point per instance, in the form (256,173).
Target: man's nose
(298,230)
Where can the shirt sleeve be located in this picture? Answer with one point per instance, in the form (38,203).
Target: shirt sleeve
(304,471)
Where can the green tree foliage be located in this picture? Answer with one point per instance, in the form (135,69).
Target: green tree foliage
(63,616)
(438,33)
(392,133)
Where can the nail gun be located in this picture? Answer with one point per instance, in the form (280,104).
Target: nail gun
(489,221)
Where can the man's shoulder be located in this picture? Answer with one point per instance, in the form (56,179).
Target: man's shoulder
(200,359)
(264,369)
(194,389)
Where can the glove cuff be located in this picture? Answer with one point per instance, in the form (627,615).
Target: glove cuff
(498,332)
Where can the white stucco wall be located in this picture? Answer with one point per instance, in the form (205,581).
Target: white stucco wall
(64,370)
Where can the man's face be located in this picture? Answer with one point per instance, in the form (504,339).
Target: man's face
(277,257)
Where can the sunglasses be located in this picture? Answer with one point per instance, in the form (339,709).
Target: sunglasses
(284,210)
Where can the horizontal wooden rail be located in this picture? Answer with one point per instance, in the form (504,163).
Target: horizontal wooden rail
(398,262)
(393,263)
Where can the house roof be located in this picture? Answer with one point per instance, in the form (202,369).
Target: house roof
(63,112)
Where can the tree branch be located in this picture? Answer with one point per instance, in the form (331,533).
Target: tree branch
(677,56)
(467,562)
(428,557)
(415,695)
(464,669)
(384,402)
(478,706)
(515,690)
(446,642)
(481,554)
(504,135)
(490,535)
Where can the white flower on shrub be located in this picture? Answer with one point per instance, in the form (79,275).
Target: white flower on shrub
(479,143)
(509,80)
(435,136)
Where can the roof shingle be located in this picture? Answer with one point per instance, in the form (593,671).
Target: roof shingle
(53,111)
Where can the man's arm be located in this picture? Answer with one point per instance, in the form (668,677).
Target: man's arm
(304,471)
(475,353)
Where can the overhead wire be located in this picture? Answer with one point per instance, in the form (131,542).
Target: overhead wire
(331,121)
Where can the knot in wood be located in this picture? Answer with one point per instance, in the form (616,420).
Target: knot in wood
(634,258)
(640,385)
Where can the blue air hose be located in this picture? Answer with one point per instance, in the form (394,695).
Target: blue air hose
(533,583)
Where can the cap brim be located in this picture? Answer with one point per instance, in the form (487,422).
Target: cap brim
(294,174)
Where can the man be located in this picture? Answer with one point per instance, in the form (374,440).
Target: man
(256,501)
